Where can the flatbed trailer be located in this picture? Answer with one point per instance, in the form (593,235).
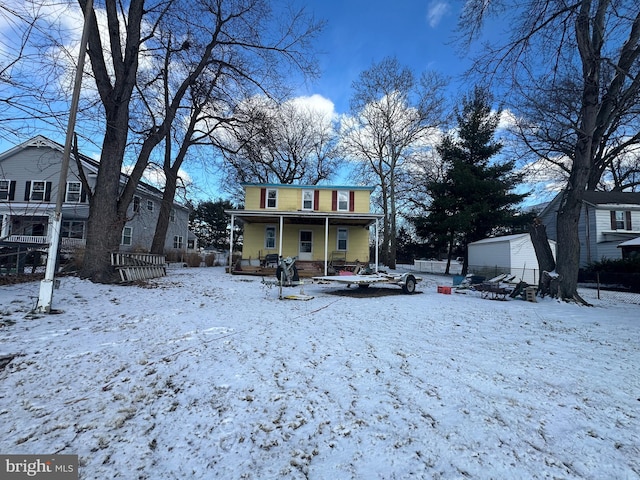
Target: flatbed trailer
(407,281)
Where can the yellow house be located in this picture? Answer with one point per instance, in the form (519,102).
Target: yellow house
(311,222)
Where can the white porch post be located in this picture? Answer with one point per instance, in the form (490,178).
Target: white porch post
(376,249)
(233,221)
(280,236)
(326,246)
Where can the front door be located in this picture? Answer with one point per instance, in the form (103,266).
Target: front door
(306,245)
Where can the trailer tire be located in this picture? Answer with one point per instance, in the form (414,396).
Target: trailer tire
(295,276)
(409,284)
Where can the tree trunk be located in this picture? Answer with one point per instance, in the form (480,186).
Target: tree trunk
(544,254)
(105,224)
(162,225)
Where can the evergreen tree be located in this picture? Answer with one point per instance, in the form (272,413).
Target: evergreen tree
(211,224)
(475,198)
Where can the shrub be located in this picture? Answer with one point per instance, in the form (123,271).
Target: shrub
(210,260)
(193,259)
(620,265)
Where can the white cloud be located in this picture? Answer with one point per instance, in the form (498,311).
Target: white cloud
(436,11)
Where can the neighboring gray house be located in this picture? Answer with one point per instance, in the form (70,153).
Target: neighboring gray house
(512,254)
(29,175)
(607,219)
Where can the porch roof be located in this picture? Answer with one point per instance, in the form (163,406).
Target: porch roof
(306,217)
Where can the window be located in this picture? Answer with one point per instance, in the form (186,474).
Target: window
(136,204)
(307,199)
(620,220)
(73,192)
(343,236)
(72,229)
(37,190)
(127,234)
(150,205)
(5,186)
(272,198)
(178,242)
(172,216)
(270,238)
(343,201)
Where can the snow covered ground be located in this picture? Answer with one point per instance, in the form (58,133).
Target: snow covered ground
(205,375)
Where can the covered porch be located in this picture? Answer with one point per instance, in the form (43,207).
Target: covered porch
(317,238)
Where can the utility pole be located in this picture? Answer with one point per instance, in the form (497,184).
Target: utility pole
(45,297)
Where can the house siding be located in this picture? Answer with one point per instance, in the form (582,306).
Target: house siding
(254,239)
(42,163)
(290,198)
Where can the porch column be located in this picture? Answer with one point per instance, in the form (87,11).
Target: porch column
(326,246)
(376,249)
(233,220)
(281,235)
(4,226)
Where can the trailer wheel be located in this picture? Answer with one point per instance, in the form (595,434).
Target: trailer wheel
(294,277)
(409,284)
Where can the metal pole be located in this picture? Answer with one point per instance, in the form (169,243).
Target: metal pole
(46,286)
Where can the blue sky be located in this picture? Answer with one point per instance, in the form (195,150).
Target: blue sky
(359,33)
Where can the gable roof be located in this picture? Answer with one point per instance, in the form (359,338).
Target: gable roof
(615,198)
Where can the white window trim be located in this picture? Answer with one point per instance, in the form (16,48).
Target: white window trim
(79,192)
(130,236)
(7,192)
(266,237)
(345,193)
(33,190)
(338,240)
(312,193)
(266,201)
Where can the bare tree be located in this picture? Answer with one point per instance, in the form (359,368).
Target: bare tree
(598,40)
(391,115)
(287,142)
(236,35)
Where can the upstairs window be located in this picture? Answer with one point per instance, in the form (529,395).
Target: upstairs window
(136,204)
(150,205)
(620,220)
(343,201)
(172,216)
(37,191)
(307,199)
(127,236)
(74,190)
(5,190)
(272,198)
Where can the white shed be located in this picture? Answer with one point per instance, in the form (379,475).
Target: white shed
(513,254)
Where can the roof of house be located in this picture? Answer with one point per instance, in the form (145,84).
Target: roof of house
(317,187)
(634,242)
(504,238)
(617,198)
